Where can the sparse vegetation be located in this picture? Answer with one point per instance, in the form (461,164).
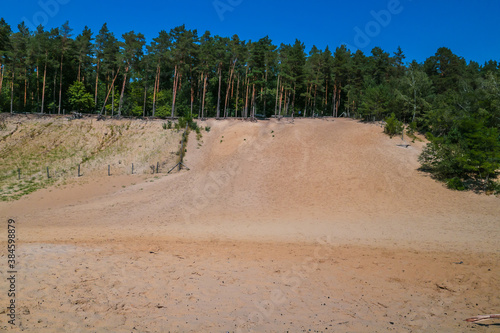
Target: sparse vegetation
(63,145)
(3,124)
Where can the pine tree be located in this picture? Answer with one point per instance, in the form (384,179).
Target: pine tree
(132,53)
(5,51)
(65,44)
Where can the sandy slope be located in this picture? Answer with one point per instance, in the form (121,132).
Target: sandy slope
(323,225)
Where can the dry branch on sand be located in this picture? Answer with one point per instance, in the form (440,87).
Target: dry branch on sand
(480,318)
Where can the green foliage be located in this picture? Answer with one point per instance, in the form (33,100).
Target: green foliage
(375,103)
(112,106)
(183,121)
(469,153)
(207,129)
(164,126)
(164,104)
(79,98)
(455,184)
(393,126)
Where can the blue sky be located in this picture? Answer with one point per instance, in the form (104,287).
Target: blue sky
(469,28)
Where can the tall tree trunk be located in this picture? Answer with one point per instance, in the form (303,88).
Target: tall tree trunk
(198,96)
(228,90)
(192,92)
(334,113)
(157,89)
(287,102)
(192,100)
(111,89)
(204,94)
(174,92)
(25,87)
(265,95)
(414,96)
(309,91)
(60,85)
(218,95)
(37,89)
(43,85)
(339,91)
(54,95)
(253,102)
(112,98)
(199,93)
(154,92)
(237,97)
(325,105)
(246,99)
(285,95)
(315,95)
(79,70)
(277,93)
(244,114)
(12,92)
(123,90)
(144,106)
(281,98)
(96,82)
(2,68)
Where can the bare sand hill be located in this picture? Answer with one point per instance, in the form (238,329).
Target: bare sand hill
(318,225)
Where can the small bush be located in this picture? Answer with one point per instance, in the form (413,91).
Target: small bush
(169,124)
(193,125)
(164,126)
(207,129)
(393,126)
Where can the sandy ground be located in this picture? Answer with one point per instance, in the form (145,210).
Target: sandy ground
(319,225)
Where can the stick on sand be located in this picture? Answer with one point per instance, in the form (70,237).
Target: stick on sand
(479,318)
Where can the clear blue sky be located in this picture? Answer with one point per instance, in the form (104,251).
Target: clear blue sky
(469,28)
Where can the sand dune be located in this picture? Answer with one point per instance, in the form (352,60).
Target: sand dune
(324,225)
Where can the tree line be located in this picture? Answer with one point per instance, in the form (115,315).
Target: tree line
(181,73)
